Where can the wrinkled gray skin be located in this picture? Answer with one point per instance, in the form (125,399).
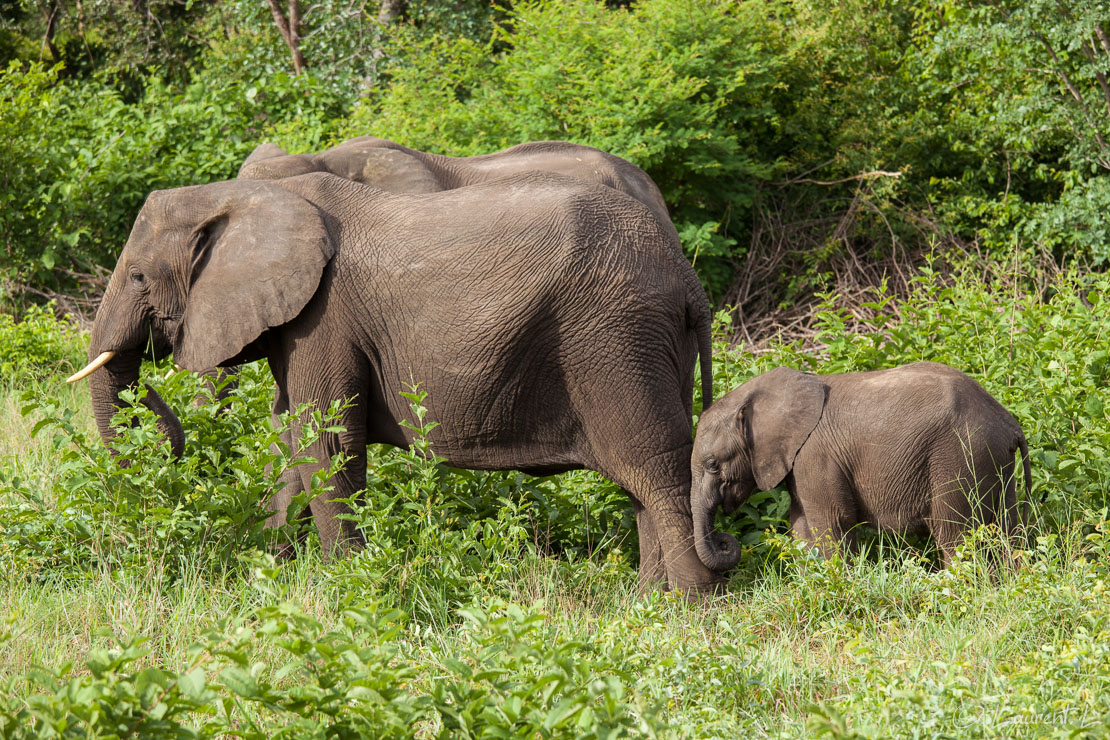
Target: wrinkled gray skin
(550,320)
(389,166)
(920,448)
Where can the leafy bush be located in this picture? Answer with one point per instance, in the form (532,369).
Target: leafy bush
(37,346)
(436,537)
(1043,357)
(703,119)
(80,161)
(93,512)
(350,679)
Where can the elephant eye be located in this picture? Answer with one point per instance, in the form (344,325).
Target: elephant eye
(138,280)
(711,465)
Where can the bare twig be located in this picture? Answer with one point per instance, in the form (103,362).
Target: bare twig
(862,176)
(81,305)
(801,248)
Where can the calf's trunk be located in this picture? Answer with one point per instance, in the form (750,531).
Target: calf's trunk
(717,550)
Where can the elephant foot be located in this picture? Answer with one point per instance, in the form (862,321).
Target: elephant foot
(687,575)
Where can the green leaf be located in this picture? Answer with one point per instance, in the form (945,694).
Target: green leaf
(240,682)
(192,684)
(561,712)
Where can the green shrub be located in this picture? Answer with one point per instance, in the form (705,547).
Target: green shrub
(38,346)
(92,512)
(437,537)
(511,676)
(703,120)
(80,161)
(1043,356)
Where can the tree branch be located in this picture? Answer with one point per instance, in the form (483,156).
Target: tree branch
(1088,49)
(1102,39)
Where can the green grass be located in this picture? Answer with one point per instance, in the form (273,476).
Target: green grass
(481,607)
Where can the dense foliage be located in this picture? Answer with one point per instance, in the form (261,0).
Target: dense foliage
(426,631)
(871,127)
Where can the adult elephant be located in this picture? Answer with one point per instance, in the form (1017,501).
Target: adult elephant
(550,320)
(389,166)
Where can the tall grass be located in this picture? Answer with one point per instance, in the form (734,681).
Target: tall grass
(494,605)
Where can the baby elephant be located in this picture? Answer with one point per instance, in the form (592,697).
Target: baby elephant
(920,448)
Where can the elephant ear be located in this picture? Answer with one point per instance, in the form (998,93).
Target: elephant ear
(257,259)
(780,413)
(380,167)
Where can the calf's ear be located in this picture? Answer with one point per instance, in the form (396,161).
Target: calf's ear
(780,413)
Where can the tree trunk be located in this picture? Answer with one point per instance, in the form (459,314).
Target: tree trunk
(389,11)
(290,31)
(51,18)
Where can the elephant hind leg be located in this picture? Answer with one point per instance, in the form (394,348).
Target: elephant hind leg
(961,490)
(635,431)
(653,574)
(659,486)
(948,531)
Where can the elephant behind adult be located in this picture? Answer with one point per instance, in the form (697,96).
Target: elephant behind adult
(550,320)
(390,166)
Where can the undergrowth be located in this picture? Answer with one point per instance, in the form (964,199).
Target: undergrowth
(140,600)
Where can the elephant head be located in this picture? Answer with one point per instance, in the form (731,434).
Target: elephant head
(271,162)
(368,160)
(206,271)
(748,440)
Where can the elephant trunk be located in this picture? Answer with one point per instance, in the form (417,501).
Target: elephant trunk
(717,550)
(123,372)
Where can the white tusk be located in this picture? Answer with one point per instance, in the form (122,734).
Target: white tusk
(101,360)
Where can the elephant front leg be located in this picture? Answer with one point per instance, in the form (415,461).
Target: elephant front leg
(823,510)
(799,527)
(336,534)
(288,485)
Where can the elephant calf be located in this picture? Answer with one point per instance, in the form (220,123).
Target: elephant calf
(920,448)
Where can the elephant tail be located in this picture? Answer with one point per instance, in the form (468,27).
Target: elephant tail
(705,357)
(699,317)
(1024,447)
(1015,515)
(703,326)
